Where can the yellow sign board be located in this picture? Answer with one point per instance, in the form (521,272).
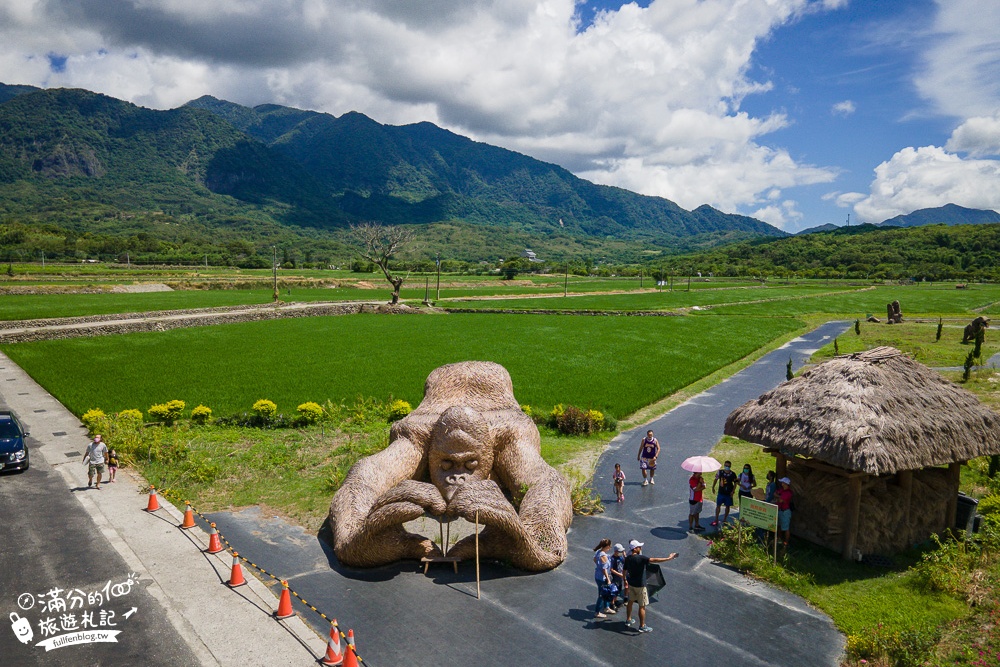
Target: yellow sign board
(758,513)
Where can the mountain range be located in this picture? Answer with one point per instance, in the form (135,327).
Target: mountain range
(211,159)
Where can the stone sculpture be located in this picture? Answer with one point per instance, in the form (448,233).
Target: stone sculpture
(973,328)
(893,314)
(467,447)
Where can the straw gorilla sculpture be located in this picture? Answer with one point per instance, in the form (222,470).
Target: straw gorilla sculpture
(465,445)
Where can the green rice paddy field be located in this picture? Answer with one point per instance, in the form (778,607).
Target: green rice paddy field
(616,365)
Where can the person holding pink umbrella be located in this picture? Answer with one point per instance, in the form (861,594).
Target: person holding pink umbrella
(697,465)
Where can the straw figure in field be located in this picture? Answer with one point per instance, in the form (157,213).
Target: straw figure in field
(467,448)
(873,443)
(974,328)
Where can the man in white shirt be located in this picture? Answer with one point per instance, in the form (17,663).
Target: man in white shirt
(97,454)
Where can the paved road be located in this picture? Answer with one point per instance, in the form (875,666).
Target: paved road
(707,615)
(48,541)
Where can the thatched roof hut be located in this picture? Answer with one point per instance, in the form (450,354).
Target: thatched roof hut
(873,413)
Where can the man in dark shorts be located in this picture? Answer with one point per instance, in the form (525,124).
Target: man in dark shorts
(649,449)
(726,479)
(96,455)
(635,575)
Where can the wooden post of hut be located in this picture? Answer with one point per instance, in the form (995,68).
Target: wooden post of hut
(954,480)
(852,515)
(905,480)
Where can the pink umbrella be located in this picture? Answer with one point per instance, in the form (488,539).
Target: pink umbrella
(701,464)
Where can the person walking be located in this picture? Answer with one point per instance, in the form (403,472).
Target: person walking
(726,481)
(695,501)
(112,465)
(784,498)
(635,577)
(602,575)
(619,479)
(649,449)
(96,454)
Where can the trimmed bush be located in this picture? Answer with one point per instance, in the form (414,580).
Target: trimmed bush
(310,413)
(399,409)
(130,415)
(201,414)
(93,420)
(265,409)
(168,412)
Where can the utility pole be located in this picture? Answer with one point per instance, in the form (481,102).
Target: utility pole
(427,287)
(43,259)
(848,219)
(206,260)
(274,269)
(566,281)
(438,292)
(640,277)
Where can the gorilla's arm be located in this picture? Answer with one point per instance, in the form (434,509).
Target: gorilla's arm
(377,497)
(533,538)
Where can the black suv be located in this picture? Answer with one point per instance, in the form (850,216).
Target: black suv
(13,450)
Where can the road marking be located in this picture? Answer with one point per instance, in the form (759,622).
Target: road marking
(752,588)
(583,653)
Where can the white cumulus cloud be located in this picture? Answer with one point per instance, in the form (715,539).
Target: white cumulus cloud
(647,98)
(845,108)
(979,136)
(929,177)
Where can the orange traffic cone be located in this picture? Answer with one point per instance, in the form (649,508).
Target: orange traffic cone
(214,543)
(284,603)
(188,517)
(350,638)
(236,576)
(153,504)
(334,655)
(350,657)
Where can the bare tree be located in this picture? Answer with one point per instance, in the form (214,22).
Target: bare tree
(378,244)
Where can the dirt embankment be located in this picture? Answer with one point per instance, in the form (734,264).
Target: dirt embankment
(111,325)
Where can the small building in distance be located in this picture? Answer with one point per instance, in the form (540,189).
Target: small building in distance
(873,443)
(530,255)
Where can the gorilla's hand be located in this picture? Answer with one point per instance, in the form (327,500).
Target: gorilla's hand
(485,497)
(413,492)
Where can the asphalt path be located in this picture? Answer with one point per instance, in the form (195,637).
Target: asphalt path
(48,542)
(707,615)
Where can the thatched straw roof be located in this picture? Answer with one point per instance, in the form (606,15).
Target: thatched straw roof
(877,411)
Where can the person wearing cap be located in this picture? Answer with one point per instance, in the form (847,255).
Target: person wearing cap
(618,572)
(783,496)
(635,577)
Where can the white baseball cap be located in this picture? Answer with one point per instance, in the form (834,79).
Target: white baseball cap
(619,547)
(785,480)
(635,544)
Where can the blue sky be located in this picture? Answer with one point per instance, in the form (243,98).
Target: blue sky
(798,112)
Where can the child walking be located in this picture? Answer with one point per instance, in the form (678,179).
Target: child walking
(112,465)
(619,480)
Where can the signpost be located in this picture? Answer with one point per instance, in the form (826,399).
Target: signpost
(759,514)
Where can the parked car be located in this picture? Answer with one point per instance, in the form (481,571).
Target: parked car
(13,449)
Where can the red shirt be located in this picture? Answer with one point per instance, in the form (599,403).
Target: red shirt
(697,485)
(784,498)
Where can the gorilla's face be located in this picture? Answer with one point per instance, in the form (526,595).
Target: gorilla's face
(456,458)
